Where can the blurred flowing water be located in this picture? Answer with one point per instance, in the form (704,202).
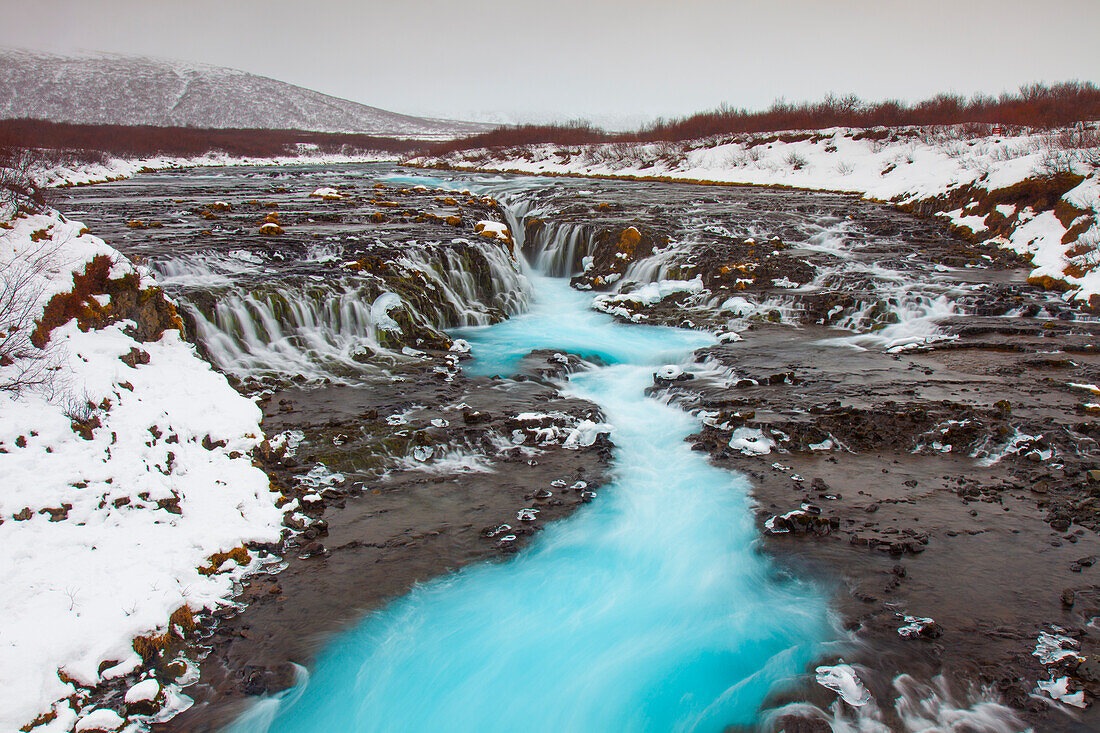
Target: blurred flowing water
(651,609)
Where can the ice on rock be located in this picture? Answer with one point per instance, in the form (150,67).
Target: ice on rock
(751,442)
(738,306)
(584,434)
(1053,648)
(380,311)
(843,680)
(1058,689)
(670,372)
(914,626)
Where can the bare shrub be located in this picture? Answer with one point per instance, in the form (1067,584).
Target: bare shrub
(79,408)
(794,160)
(18,190)
(1036,106)
(22,364)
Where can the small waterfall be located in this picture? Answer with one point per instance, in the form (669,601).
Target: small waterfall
(474,290)
(315,332)
(558,249)
(332,325)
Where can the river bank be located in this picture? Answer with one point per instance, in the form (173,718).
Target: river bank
(791,259)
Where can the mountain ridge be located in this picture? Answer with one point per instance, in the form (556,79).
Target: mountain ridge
(118,89)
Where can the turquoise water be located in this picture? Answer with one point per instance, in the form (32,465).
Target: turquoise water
(560,318)
(649,610)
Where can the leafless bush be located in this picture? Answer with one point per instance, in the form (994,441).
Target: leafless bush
(1063,148)
(80,408)
(18,190)
(22,364)
(794,160)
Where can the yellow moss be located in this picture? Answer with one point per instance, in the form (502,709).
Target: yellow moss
(148,647)
(1046,282)
(183,619)
(454,220)
(628,240)
(238,555)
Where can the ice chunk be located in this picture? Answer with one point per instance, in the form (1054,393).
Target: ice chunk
(751,442)
(380,311)
(842,679)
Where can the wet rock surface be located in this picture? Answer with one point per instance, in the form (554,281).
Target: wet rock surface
(394,466)
(905,404)
(902,400)
(376,514)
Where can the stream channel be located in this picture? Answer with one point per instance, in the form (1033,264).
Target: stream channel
(440,399)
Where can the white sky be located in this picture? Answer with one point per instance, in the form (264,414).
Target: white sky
(608,60)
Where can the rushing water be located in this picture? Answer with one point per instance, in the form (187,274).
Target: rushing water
(650,610)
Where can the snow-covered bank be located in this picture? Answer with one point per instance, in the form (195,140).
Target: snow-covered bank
(80,174)
(127,478)
(1037,194)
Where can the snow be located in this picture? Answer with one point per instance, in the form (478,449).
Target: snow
(102,719)
(914,626)
(584,434)
(113,559)
(80,174)
(493,230)
(655,292)
(1053,648)
(327,193)
(144,690)
(670,372)
(905,166)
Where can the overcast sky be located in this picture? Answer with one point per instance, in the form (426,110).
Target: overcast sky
(607,60)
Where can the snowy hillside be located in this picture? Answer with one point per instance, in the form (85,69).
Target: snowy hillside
(132,90)
(130,494)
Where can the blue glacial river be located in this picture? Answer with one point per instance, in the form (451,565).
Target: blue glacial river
(649,610)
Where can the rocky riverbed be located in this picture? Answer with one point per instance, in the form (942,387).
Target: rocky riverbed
(917,420)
